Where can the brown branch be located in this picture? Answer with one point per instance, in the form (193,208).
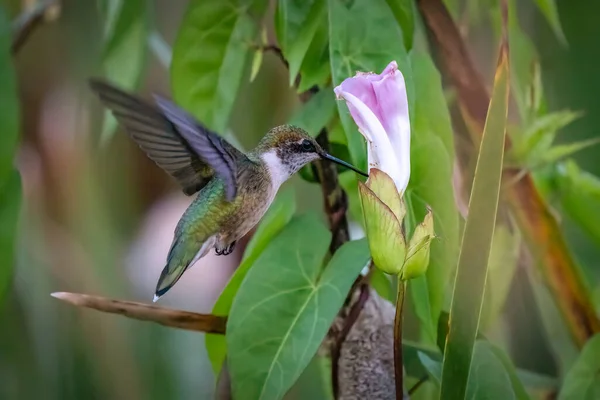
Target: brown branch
(28,21)
(335,199)
(173,318)
(275,49)
(533,215)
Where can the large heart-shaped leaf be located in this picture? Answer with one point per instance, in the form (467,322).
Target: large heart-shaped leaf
(210,57)
(285,307)
(276,218)
(431,185)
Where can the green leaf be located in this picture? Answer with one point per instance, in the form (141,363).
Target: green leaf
(315,114)
(581,382)
(349,183)
(9,111)
(256,63)
(431,185)
(315,69)
(382,284)
(297,22)
(433,367)
(277,217)
(419,292)
(429,111)
(501,269)
(538,137)
(432,363)
(579,194)
(477,241)
(383,230)
(315,382)
(403,12)
(557,153)
(488,378)
(285,307)
(548,8)
(522,57)
(125,50)
(412,359)
(10,205)
(209,58)
(374,40)
(517,384)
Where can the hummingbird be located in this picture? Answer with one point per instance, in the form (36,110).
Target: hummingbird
(234,189)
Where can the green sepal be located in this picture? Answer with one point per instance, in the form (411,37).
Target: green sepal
(386,242)
(385,189)
(417,258)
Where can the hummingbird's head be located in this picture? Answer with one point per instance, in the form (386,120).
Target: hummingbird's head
(285,149)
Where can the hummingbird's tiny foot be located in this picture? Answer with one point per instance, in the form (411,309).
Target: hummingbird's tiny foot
(229,249)
(226,250)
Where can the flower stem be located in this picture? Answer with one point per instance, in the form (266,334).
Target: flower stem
(398,364)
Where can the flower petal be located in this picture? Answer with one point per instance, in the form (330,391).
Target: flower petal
(392,104)
(381,153)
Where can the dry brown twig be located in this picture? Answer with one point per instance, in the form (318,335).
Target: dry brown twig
(190,321)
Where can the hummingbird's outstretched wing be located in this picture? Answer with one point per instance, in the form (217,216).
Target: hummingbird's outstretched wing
(216,151)
(160,135)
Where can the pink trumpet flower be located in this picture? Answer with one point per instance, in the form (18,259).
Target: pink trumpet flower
(379,106)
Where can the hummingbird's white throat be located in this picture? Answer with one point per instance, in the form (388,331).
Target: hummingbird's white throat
(278,171)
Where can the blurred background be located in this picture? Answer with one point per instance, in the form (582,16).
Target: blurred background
(98,216)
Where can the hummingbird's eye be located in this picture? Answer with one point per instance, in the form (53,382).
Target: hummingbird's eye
(307,145)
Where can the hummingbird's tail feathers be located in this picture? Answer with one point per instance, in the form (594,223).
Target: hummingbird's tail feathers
(156,136)
(183,254)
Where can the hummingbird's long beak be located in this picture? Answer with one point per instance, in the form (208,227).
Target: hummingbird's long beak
(336,160)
